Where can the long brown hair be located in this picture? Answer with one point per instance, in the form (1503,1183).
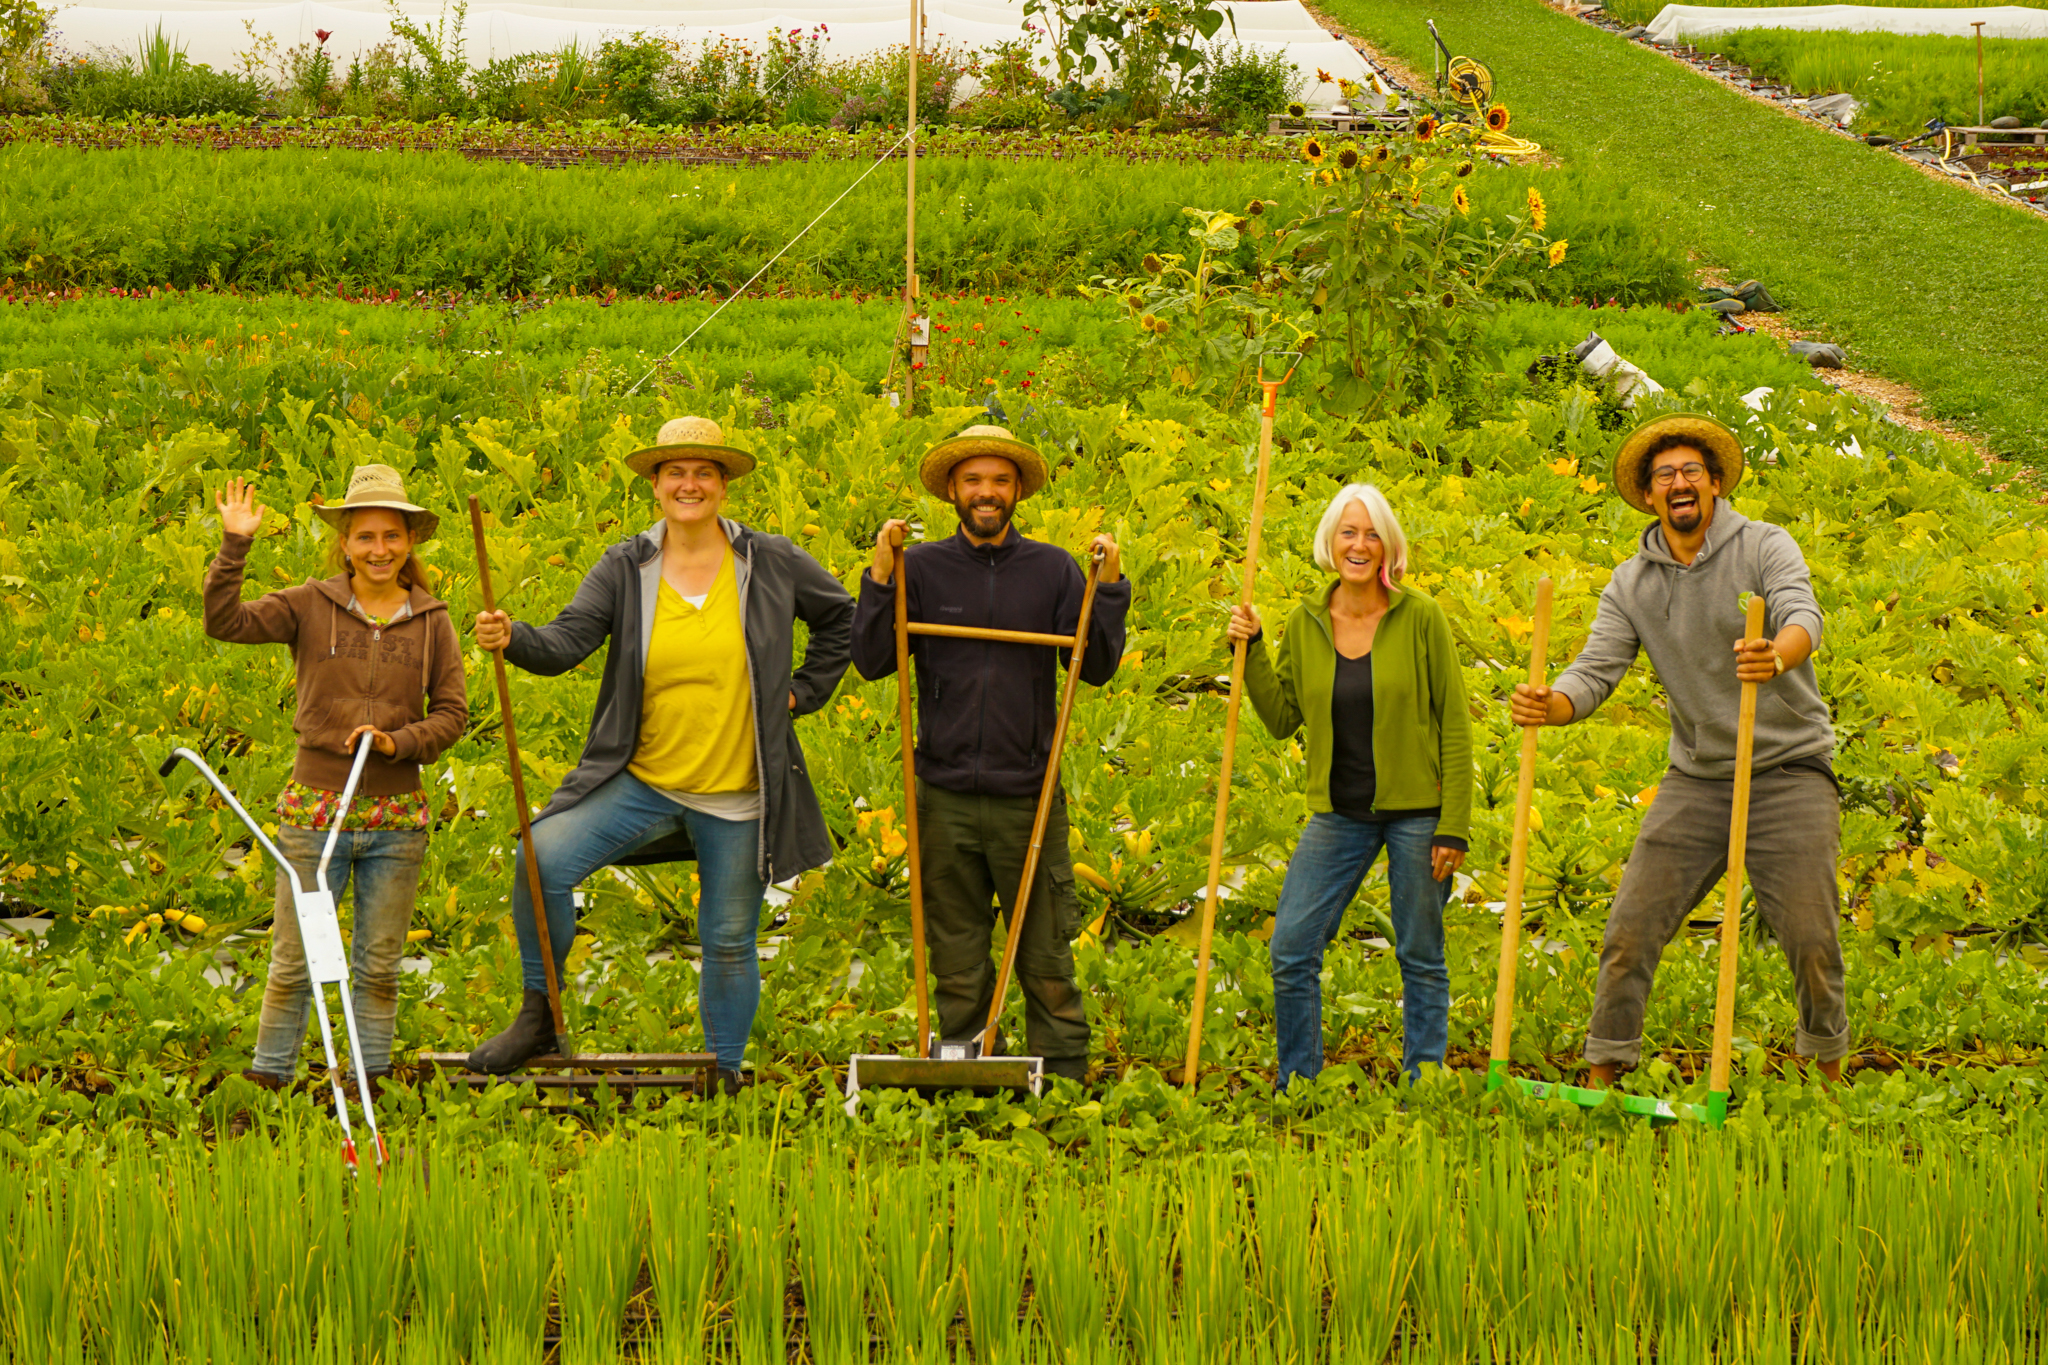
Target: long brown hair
(410,573)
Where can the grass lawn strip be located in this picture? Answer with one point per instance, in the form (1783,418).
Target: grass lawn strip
(1922,285)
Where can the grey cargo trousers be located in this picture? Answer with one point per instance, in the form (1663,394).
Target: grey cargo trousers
(972,853)
(1795,830)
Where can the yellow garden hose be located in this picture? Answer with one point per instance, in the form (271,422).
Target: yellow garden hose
(1506,144)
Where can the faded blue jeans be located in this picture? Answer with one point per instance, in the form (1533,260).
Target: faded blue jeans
(620,816)
(1324,875)
(384,866)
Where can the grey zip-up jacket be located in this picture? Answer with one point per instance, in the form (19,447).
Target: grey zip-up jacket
(1688,618)
(778,585)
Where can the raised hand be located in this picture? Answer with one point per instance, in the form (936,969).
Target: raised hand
(885,553)
(493,630)
(240,513)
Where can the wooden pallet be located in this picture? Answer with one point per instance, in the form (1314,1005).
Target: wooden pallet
(1333,123)
(2004,137)
(590,1071)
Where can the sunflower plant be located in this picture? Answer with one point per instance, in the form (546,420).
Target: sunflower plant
(1212,313)
(1398,269)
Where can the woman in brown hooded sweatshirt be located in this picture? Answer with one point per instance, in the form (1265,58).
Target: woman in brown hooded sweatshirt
(375,654)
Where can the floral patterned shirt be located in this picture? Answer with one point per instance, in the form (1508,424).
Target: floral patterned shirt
(313,808)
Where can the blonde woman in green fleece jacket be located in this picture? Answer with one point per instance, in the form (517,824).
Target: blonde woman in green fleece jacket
(1370,668)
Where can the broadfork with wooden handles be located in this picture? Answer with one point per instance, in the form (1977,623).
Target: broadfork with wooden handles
(533,892)
(1271,392)
(1048,790)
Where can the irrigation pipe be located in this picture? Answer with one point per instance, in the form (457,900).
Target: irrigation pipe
(822,214)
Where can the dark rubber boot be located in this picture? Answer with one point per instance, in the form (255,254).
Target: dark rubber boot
(531,1034)
(242,1120)
(726,1082)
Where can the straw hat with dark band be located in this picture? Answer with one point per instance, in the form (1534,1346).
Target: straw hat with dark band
(690,438)
(378,485)
(1702,433)
(941,458)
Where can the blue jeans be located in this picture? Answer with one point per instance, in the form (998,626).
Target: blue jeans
(1328,865)
(625,814)
(384,865)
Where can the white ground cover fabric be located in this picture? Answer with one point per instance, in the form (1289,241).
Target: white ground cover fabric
(1705,21)
(214,31)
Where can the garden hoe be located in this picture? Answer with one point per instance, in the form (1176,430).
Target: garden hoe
(1656,1110)
(1271,390)
(629,1070)
(320,939)
(966,1064)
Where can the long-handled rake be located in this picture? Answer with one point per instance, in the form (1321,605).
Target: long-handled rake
(320,940)
(1271,390)
(967,1064)
(1716,1108)
(639,1070)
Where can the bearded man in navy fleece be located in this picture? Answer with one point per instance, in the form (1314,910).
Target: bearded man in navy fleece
(985,717)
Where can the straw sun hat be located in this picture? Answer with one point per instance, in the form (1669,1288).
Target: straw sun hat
(378,485)
(1702,433)
(940,460)
(690,438)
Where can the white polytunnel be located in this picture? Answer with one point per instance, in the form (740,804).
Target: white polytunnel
(1705,21)
(217,31)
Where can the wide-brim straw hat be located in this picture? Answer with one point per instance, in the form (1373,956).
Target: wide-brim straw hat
(379,485)
(1702,432)
(939,461)
(690,438)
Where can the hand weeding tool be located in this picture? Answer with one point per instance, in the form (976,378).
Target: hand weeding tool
(319,939)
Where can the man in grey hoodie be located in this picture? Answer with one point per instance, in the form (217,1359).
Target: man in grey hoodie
(1680,599)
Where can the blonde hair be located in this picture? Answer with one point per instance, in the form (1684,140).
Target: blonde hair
(1393,542)
(410,573)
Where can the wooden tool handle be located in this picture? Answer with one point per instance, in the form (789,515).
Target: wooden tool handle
(533,884)
(913,855)
(1047,791)
(1518,849)
(1738,846)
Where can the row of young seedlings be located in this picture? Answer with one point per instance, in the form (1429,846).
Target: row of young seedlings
(1809,1245)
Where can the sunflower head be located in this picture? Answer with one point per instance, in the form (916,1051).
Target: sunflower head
(1497,118)
(1380,154)
(1539,214)
(1297,109)
(1348,158)
(1312,151)
(1151,265)
(1460,200)
(1450,300)
(1148,321)
(1557,250)
(1256,207)
(1425,129)
(1464,169)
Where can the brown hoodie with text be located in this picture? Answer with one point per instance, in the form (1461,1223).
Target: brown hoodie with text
(404,678)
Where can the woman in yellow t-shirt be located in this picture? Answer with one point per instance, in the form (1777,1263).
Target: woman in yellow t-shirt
(692,752)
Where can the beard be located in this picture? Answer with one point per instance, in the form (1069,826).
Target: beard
(1685,520)
(985,516)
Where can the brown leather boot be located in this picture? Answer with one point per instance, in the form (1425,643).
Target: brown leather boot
(242,1119)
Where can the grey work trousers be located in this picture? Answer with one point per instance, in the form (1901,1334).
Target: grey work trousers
(1795,830)
(971,849)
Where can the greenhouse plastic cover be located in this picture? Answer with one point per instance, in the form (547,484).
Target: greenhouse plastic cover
(214,32)
(1704,21)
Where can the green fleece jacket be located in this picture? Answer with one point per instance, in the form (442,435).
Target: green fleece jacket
(1421,723)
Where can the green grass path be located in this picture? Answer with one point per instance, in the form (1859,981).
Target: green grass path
(1924,283)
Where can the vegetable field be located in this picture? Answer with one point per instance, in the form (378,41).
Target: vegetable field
(1795,1244)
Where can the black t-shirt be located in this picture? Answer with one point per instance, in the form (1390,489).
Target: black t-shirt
(1353,782)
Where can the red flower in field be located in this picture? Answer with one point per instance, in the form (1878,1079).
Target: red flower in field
(323,34)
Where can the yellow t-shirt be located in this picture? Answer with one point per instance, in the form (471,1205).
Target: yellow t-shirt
(696,709)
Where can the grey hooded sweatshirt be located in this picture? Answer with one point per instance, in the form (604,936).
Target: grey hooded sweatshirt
(1688,618)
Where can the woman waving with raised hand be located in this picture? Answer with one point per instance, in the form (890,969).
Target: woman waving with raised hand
(1371,671)
(375,654)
